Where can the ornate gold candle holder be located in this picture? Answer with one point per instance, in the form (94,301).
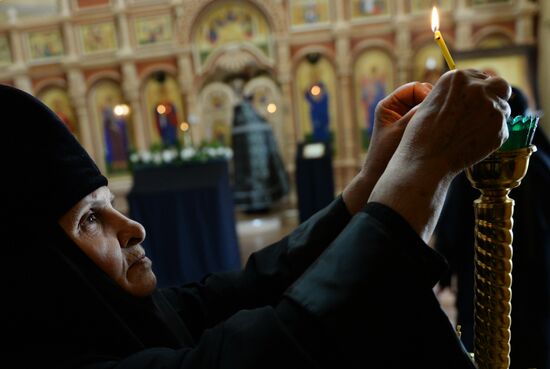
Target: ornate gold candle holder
(495,177)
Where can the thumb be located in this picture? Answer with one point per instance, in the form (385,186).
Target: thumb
(407,117)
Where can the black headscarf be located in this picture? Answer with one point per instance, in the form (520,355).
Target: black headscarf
(58,308)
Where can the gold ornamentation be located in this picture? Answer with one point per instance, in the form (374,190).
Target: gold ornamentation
(495,177)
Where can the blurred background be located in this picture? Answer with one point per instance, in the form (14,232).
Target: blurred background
(234,120)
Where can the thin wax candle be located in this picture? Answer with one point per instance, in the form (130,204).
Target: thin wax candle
(438,37)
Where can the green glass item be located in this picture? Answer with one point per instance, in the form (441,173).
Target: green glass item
(521,130)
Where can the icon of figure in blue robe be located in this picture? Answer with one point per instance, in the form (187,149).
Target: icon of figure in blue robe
(318,99)
(116,138)
(372,92)
(260,178)
(311,12)
(166,122)
(166,117)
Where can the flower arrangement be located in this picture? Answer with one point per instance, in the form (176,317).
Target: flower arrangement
(159,155)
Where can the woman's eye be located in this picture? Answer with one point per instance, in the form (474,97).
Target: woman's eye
(89,219)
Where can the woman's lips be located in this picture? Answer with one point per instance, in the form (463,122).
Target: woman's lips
(138,258)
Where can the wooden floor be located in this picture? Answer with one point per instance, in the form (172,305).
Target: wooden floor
(256,231)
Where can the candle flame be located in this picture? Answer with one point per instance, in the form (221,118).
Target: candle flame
(435,19)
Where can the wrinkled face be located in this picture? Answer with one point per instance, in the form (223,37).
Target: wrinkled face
(111,240)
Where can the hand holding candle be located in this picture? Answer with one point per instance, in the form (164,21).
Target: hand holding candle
(440,41)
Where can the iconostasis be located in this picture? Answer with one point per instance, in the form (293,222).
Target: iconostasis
(128,75)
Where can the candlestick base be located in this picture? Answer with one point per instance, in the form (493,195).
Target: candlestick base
(495,177)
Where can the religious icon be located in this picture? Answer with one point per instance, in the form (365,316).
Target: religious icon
(58,109)
(373,80)
(45,44)
(116,136)
(153,30)
(373,90)
(221,132)
(368,8)
(309,12)
(165,113)
(231,22)
(58,100)
(98,37)
(216,102)
(317,97)
(166,119)
(315,83)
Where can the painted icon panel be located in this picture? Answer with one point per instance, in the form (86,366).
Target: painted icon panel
(98,37)
(112,120)
(374,75)
(305,13)
(57,99)
(45,44)
(153,30)
(316,93)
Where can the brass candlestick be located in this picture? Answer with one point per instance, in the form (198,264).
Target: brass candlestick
(495,177)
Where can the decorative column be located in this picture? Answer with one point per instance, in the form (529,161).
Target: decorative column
(15,39)
(464,29)
(400,7)
(347,143)
(23,82)
(17,69)
(68,31)
(186,83)
(125,47)
(284,76)
(131,88)
(404,54)
(403,45)
(77,93)
(525,22)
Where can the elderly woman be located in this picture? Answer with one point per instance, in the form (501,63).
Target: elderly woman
(79,291)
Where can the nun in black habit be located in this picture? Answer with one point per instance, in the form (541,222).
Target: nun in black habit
(65,306)
(530,340)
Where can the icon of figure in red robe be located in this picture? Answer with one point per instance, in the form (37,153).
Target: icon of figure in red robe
(58,109)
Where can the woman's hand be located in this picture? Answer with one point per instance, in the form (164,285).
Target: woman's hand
(392,115)
(462,121)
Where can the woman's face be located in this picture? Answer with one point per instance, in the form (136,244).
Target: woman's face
(111,240)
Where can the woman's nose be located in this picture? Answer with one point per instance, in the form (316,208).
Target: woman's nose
(132,233)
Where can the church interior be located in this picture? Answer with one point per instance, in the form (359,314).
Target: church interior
(169,97)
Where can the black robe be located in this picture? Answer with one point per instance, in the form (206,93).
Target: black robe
(343,312)
(323,297)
